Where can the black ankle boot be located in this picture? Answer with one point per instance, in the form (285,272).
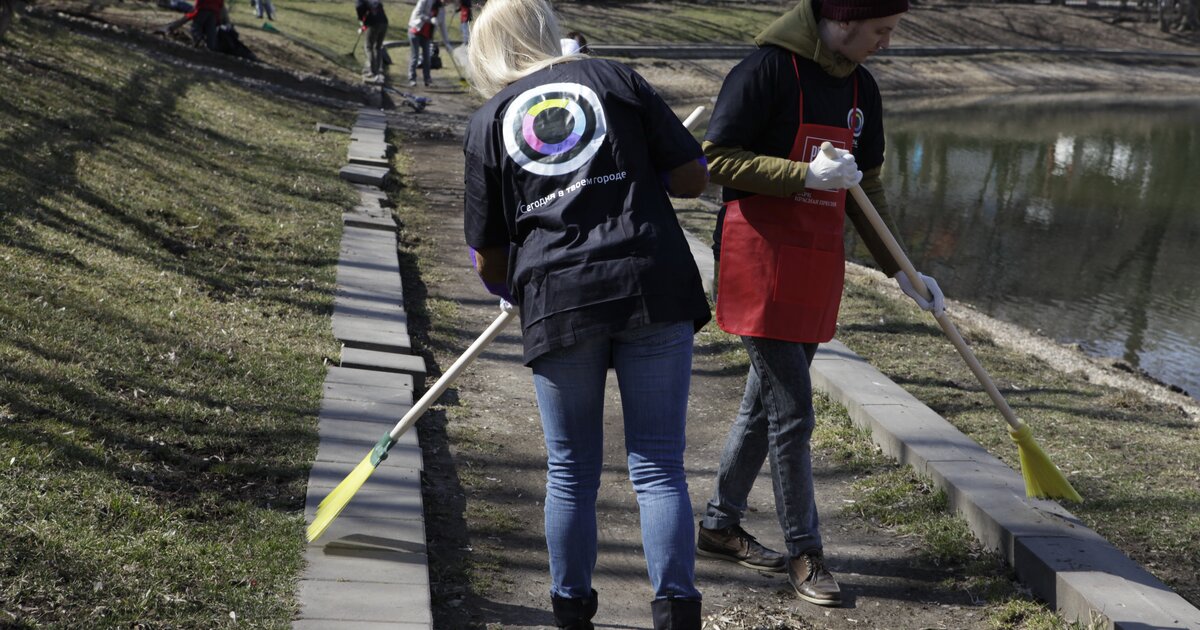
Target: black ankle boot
(676,614)
(575,613)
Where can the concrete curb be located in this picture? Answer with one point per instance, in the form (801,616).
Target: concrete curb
(1054,554)
(371,568)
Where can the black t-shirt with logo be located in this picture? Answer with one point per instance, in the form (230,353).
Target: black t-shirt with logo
(564,167)
(757,107)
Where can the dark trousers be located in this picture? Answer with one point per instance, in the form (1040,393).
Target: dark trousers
(204,28)
(374,46)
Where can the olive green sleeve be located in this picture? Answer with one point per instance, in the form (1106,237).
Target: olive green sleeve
(745,170)
(872,185)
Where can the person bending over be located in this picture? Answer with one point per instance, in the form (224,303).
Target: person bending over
(568,169)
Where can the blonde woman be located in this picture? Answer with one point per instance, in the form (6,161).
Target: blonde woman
(568,170)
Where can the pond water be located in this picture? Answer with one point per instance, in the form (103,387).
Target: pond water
(1083,225)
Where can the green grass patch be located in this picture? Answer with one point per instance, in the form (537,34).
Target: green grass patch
(167,246)
(309,36)
(1133,460)
(895,498)
(654,22)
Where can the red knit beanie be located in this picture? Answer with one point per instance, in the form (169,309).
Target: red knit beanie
(851,10)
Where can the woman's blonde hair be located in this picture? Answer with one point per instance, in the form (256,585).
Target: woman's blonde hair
(512,39)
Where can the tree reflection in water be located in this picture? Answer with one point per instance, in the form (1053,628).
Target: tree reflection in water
(1077,224)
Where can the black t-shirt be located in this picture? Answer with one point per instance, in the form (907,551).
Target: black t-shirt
(370,12)
(757,107)
(564,167)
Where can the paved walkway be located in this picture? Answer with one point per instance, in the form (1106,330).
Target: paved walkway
(370,569)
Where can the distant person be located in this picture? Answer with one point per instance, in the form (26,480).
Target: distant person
(782,261)
(206,18)
(568,168)
(420,36)
(575,42)
(440,17)
(373,19)
(464,20)
(264,7)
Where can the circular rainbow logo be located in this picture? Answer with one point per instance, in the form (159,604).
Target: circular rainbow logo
(554,129)
(855,120)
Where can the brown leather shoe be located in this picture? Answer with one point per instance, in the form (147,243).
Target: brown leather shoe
(735,545)
(812,581)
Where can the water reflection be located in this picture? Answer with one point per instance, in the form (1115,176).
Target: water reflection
(1078,224)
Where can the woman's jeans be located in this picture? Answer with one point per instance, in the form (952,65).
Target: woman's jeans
(420,56)
(775,420)
(653,365)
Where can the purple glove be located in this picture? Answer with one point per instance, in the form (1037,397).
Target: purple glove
(665,176)
(498,290)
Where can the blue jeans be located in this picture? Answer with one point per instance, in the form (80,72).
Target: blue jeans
(653,365)
(264,6)
(420,56)
(775,420)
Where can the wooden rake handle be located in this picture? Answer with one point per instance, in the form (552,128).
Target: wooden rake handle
(943,320)
(508,312)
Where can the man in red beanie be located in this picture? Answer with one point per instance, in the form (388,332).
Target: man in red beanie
(779,243)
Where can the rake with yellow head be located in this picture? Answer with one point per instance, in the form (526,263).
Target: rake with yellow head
(337,499)
(1042,478)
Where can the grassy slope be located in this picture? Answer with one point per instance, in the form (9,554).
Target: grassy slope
(315,36)
(624,22)
(166,253)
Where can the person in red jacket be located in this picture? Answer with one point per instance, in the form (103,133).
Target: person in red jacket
(420,38)
(206,17)
(464,18)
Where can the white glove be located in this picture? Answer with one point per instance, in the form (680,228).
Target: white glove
(937,305)
(569,45)
(831,174)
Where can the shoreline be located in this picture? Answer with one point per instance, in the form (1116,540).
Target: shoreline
(1064,357)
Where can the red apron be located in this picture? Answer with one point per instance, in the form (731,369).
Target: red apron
(782,259)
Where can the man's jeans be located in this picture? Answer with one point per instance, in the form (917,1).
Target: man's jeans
(653,365)
(775,420)
(420,55)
